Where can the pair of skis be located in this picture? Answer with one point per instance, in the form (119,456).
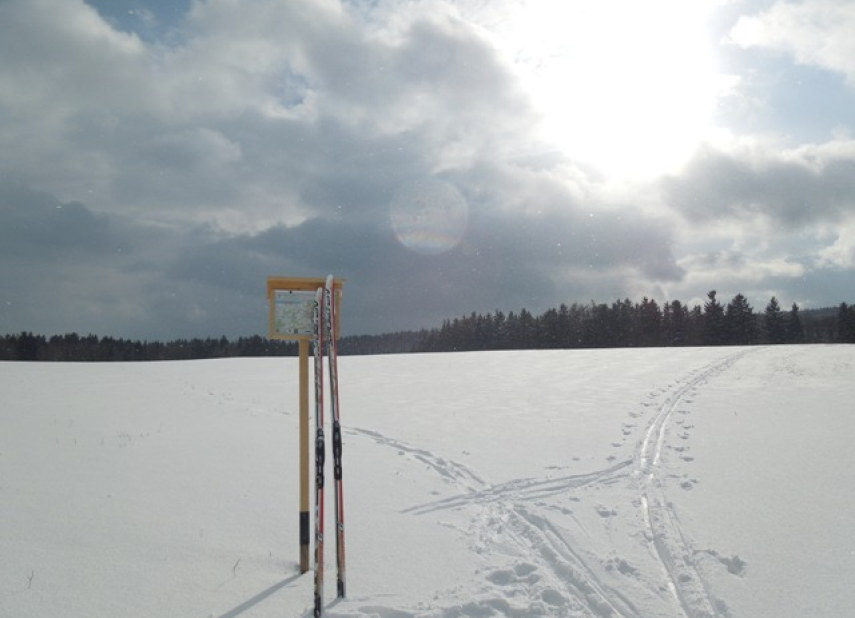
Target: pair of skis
(325,320)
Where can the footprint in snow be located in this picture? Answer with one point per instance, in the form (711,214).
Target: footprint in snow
(552,597)
(734,564)
(604,512)
(621,566)
(523,572)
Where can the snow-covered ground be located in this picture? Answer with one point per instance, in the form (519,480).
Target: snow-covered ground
(658,483)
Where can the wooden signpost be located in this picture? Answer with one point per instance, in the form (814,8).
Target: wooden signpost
(291,305)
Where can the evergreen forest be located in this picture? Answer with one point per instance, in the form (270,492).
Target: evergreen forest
(643,324)
(623,323)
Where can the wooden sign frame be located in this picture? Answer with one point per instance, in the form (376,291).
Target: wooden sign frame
(301,288)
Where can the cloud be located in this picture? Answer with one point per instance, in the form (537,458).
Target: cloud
(65,268)
(741,268)
(37,226)
(535,258)
(791,188)
(250,142)
(247,139)
(60,59)
(815,32)
(246,109)
(841,253)
(765,220)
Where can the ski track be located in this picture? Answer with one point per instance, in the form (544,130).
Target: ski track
(562,584)
(673,550)
(447,468)
(569,567)
(571,585)
(528,488)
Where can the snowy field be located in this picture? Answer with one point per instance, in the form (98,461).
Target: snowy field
(657,483)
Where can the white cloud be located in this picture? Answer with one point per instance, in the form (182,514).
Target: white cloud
(841,253)
(814,32)
(737,268)
(58,58)
(284,82)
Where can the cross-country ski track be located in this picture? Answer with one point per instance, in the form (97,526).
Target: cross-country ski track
(561,582)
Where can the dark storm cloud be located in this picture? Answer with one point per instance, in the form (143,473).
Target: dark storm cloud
(65,268)
(35,225)
(505,261)
(553,242)
(793,189)
(383,277)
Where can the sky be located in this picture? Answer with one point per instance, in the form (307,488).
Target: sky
(159,160)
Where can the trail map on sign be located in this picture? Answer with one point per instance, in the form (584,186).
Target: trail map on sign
(292,312)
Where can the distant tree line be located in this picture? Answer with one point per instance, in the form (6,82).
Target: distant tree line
(75,348)
(621,324)
(645,324)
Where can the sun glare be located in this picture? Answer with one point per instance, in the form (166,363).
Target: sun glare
(627,87)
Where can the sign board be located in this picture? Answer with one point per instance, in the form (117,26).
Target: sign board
(291,305)
(293,314)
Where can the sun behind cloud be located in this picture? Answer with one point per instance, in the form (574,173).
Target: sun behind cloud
(626,87)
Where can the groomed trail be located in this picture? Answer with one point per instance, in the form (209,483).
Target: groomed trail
(561,565)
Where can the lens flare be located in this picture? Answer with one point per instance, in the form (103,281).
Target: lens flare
(429,216)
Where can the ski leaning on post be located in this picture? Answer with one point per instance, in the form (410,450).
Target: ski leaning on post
(320,454)
(325,321)
(331,322)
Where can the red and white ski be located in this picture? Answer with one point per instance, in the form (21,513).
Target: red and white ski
(331,319)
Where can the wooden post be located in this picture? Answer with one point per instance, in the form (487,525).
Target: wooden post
(304,455)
